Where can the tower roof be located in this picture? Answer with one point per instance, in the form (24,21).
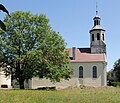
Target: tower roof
(97,27)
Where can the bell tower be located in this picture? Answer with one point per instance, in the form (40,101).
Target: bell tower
(97,36)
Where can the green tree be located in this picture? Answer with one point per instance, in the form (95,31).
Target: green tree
(110,74)
(117,69)
(31,48)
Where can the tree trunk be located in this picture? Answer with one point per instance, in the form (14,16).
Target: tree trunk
(21,83)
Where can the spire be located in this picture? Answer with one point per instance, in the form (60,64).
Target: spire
(96,9)
(96,18)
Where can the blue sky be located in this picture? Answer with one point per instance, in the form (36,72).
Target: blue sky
(74,18)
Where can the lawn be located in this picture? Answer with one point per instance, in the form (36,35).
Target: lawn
(71,95)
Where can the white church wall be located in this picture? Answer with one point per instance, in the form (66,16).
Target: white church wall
(104,75)
(38,82)
(87,79)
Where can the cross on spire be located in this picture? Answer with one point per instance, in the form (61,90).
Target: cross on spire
(96,8)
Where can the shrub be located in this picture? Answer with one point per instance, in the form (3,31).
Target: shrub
(116,84)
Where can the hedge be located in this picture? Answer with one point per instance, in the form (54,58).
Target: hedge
(116,84)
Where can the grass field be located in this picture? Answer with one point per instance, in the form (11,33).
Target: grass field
(86,95)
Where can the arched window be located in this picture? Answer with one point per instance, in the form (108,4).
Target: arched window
(80,72)
(92,37)
(98,36)
(94,70)
(103,36)
(97,22)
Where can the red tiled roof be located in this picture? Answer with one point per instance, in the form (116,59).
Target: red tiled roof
(86,57)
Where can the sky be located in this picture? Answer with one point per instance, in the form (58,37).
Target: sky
(74,18)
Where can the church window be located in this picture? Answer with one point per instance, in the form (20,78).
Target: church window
(94,72)
(92,37)
(97,22)
(98,36)
(103,36)
(80,72)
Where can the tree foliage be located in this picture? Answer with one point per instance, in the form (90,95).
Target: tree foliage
(117,69)
(110,74)
(31,48)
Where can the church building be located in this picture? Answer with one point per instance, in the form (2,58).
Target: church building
(89,64)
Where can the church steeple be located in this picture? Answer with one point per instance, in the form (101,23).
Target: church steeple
(97,36)
(96,18)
